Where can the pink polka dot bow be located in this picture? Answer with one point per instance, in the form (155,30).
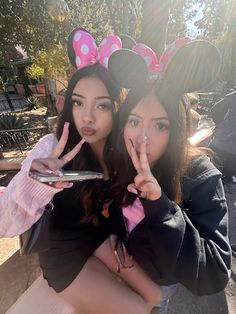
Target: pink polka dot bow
(87,52)
(150,57)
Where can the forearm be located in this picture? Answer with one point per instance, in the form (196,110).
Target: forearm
(22,202)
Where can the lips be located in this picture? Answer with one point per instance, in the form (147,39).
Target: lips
(87,131)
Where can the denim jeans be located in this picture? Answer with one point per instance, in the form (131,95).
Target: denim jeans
(167,291)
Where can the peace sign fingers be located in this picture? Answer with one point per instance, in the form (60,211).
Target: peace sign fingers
(57,151)
(143,160)
(134,157)
(140,162)
(71,154)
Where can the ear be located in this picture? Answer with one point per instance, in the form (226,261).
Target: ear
(194,66)
(127,68)
(70,49)
(127,41)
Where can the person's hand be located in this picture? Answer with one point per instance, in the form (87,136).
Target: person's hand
(145,185)
(53,164)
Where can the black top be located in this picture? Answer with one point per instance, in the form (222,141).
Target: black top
(187,244)
(72,242)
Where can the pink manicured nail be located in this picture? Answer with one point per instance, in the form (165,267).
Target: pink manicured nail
(69,185)
(66,125)
(133,190)
(48,171)
(82,141)
(58,173)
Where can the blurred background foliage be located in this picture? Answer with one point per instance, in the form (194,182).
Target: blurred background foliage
(26,23)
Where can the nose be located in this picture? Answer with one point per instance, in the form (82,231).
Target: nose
(87,115)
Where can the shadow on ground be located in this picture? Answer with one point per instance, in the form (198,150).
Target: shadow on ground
(16,275)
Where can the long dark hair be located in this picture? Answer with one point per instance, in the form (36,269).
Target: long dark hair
(173,164)
(87,192)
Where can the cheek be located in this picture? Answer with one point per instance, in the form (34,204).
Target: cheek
(106,123)
(162,144)
(158,147)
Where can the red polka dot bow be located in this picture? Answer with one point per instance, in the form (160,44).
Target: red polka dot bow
(86,51)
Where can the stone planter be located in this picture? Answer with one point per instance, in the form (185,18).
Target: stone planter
(20,89)
(33,89)
(40,88)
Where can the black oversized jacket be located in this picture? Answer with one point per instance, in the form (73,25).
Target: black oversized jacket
(187,244)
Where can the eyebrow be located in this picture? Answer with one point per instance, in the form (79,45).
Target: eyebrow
(99,97)
(159,118)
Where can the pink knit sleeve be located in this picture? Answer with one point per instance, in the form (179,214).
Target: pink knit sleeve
(22,202)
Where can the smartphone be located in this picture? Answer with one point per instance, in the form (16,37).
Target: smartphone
(67,176)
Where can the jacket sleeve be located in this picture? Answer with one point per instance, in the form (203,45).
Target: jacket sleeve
(22,202)
(191,244)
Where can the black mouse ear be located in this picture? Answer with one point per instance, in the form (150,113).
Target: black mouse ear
(127,68)
(70,49)
(193,67)
(127,41)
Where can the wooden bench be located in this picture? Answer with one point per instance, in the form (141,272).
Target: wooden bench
(39,298)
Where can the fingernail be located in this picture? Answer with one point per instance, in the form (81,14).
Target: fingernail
(82,141)
(48,171)
(69,185)
(58,173)
(144,138)
(133,190)
(132,143)
(66,125)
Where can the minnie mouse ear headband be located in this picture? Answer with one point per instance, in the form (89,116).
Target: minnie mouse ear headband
(83,51)
(185,65)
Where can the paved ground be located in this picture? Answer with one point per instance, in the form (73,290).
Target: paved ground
(18,272)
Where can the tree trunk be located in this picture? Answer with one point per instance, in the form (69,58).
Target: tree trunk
(50,89)
(125,17)
(154,25)
(110,9)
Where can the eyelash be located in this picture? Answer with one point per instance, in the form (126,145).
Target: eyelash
(133,122)
(161,126)
(76,103)
(105,106)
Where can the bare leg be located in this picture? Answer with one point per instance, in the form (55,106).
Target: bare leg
(97,291)
(135,277)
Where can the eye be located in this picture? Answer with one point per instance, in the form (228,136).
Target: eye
(162,126)
(133,122)
(105,106)
(76,103)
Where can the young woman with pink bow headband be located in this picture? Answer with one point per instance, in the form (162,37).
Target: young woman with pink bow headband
(77,222)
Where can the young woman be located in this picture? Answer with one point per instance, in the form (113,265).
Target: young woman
(169,208)
(78,225)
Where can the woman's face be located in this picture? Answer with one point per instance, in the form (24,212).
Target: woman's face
(92,110)
(148,121)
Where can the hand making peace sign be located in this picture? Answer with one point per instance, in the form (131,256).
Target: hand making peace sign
(53,164)
(145,184)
